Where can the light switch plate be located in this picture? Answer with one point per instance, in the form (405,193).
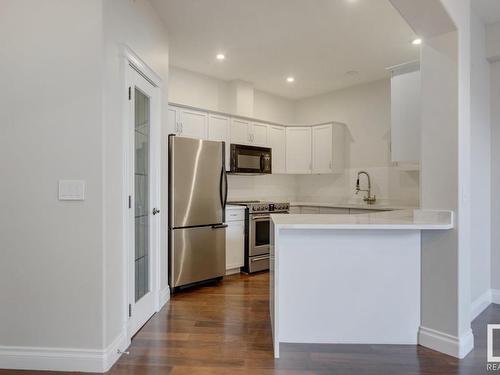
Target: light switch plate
(71,190)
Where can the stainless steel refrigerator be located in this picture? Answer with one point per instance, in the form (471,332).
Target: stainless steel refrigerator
(197,200)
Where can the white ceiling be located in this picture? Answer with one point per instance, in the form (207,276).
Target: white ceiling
(487,10)
(316,41)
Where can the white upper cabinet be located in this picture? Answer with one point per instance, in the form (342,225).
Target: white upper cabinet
(322,149)
(277,141)
(189,123)
(240,131)
(259,134)
(295,149)
(248,133)
(218,130)
(405,114)
(298,150)
(173,120)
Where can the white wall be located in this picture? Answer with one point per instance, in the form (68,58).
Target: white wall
(51,268)
(366,110)
(495,174)
(480,161)
(270,187)
(135,24)
(199,90)
(62,261)
(493,42)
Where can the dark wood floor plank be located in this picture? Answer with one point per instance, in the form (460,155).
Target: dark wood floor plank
(224,329)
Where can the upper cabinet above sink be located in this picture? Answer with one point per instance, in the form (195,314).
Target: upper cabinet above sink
(405,114)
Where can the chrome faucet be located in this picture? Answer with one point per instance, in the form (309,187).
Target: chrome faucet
(368,199)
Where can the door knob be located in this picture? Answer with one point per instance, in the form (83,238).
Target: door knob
(155,211)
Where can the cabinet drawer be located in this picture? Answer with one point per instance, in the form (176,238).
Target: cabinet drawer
(235,215)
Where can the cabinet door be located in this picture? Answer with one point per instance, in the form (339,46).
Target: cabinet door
(258,134)
(405,117)
(277,140)
(298,150)
(218,130)
(240,132)
(322,149)
(235,244)
(339,148)
(173,121)
(193,124)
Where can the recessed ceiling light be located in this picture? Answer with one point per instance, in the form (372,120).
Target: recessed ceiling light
(290,79)
(416,41)
(220,56)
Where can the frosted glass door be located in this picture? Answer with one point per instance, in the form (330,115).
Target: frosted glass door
(141,198)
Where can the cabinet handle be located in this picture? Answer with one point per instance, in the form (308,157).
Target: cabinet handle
(182,127)
(330,164)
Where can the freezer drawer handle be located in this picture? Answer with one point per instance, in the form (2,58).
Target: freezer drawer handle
(219,226)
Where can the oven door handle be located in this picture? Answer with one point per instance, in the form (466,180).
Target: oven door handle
(261,218)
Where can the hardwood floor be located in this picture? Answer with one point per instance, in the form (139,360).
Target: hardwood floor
(224,329)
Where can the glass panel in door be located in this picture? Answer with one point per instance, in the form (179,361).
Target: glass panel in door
(262,232)
(141,198)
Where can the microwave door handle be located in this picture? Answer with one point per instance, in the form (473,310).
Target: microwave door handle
(262,163)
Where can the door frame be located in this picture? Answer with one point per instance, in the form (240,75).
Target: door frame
(131,59)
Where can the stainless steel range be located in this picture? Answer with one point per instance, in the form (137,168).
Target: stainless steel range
(257,232)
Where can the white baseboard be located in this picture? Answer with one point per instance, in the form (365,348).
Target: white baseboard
(233,271)
(164,297)
(442,342)
(495,296)
(59,359)
(480,304)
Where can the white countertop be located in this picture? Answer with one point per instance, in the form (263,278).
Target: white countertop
(357,205)
(398,219)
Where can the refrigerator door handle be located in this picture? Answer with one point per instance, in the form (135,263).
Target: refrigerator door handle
(221,194)
(219,226)
(226,187)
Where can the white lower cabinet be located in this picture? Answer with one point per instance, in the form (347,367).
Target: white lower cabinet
(235,240)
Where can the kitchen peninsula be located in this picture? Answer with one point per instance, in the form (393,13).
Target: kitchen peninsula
(351,279)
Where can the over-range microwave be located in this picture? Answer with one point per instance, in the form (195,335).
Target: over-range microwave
(250,159)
